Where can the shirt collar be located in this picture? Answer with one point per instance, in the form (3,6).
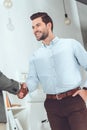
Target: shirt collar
(53,42)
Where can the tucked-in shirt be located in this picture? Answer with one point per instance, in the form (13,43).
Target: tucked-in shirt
(57,66)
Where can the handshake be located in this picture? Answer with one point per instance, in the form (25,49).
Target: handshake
(22,91)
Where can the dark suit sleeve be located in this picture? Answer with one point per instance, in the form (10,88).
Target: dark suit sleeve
(7,84)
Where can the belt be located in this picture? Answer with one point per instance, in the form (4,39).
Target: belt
(62,95)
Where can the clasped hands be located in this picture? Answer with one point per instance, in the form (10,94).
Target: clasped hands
(22,91)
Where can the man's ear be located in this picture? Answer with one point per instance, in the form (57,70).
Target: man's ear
(49,25)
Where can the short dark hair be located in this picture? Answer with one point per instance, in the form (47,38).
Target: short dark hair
(45,18)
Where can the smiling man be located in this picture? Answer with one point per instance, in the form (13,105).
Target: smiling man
(56,65)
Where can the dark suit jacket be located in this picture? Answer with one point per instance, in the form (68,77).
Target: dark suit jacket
(9,85)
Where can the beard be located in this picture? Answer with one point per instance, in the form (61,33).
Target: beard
(42,37)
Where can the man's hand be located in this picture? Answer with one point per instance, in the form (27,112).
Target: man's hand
(82,93)
(23,91)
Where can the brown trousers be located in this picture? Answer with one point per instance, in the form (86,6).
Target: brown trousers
(67,114)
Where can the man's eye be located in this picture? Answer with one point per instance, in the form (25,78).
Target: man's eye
(38,25)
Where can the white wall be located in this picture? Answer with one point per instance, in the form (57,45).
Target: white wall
(82,10)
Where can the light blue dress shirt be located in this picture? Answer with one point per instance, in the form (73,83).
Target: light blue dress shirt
(57,66)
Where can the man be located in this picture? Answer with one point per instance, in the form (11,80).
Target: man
(13,87)
(56,65)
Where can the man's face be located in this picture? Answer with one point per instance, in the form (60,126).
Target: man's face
(40,29)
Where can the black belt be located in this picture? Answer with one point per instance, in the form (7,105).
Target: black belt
(62,95)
